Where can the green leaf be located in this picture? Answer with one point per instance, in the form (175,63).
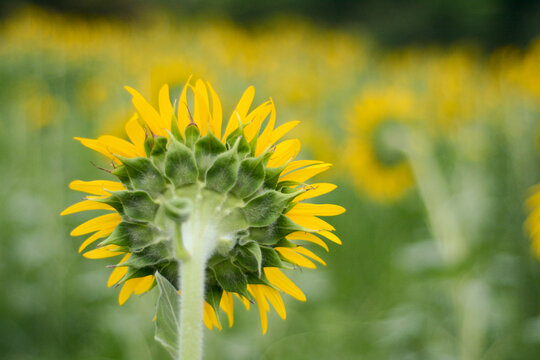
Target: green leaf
(271,234)
(206,150)
(266,208)
(132,235)
(192,134)
(271,176)
(144,175)
(250,256)
(250,177)
(270,258)
(135,204)
(221,175)
(167,316)
(180,165)
(230,277)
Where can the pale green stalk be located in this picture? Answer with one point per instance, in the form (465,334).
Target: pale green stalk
(198,240)
(446,227)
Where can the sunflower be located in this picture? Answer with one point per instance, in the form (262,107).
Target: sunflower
(533,220)
(242,171)
(375,123)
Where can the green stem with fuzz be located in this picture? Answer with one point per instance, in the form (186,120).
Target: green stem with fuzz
(191,307)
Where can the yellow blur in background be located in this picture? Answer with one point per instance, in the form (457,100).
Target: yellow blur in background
(434,149)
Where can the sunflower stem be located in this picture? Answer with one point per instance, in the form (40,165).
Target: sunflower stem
(197,242)
(191,307)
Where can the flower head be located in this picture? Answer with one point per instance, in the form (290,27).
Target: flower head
(375,122)
(240,189)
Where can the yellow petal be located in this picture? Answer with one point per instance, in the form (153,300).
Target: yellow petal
(165,107)
(294,165)
(202,109)
(106,231)
(276,277)
(84,206)
(136,134)
(244,301)
(311,222)
(315,190)
(227,304)
(305,173)
(150,116)
(184,117)
(96,187)
(144,285)
(295,258)
(96,146)
(241,111)
(302,235)
(308,253)
(303,209)
(280,131)
(264,140)
(96,224)
(209,317)
(217,113)
(127,289)
(275,299)
(255,120)
(103,252)
(262,304)
(330,236)
(284,151)
(117,146)
(119,272)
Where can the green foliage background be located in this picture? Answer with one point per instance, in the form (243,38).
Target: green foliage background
(385,292)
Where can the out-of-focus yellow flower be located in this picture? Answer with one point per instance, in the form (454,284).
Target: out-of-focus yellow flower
(379,169)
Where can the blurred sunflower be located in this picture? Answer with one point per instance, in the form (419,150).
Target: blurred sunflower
(176,164)
(533,220)
(373,156)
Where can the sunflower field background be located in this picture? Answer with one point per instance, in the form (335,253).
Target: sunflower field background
(434,141)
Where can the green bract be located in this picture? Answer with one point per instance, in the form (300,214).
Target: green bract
(200,188)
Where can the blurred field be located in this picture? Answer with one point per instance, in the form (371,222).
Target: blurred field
(435,263)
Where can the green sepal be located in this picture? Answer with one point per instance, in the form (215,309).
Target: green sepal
(285,243)
(230,277)
(159,149)
(151,255)
(178,209)
(250,256)
(235,137)
(206,150)
(192,134)
(271,176)
(180,165)
(271,234)
(137,205)
(258,280)
(212,295)
(265,208)
(122,175)
(221,175)
(131,235)
(175,130)
(144,175)
(250,177)
(270,257)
